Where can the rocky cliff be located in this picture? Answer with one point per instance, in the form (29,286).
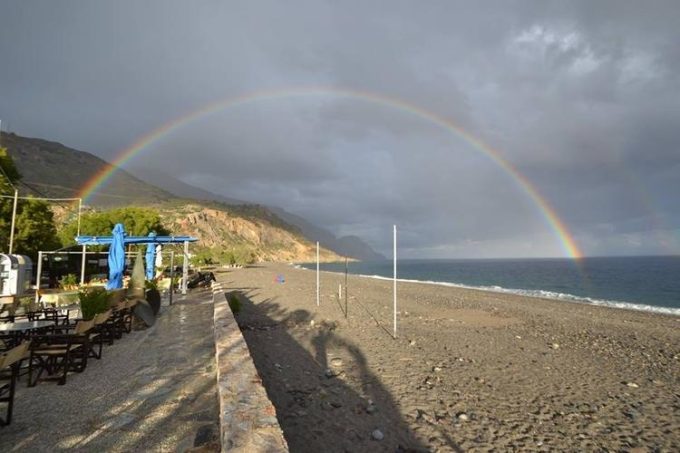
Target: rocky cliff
(223,234)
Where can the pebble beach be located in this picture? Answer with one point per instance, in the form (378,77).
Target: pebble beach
(468,370)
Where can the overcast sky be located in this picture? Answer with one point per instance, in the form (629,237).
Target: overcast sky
(582,98)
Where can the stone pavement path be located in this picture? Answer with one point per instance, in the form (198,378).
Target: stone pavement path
(154,390)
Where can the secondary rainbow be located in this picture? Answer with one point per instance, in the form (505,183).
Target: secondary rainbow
(567,242)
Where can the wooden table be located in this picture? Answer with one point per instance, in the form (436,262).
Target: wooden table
(19,330)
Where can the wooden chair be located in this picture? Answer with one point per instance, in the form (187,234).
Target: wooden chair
(50,314)
(59,353)
(10,362)
(122,316)
(117,320)
(102,330)
(129,313)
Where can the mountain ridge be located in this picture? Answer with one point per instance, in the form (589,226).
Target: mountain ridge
(51,169)
(62,172)
(351,246)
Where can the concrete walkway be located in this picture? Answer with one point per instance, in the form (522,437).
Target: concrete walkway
(154,390)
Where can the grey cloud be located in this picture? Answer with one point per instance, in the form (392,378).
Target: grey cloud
(581,97)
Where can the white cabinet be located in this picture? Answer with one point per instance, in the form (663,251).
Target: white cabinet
(15,274)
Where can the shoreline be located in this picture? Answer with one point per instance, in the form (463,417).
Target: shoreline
(546,295)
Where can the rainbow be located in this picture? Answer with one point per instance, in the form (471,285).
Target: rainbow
(561,231)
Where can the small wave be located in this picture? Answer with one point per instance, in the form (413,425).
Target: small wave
(537,293)
(542,294)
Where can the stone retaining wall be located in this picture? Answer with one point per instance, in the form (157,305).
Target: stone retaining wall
(247,417)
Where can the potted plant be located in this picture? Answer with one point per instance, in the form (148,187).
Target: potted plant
(153,296)
(93,301)
(69,282)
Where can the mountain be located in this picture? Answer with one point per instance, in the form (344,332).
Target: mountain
(225,231)
(351,246)
(50,169)
(178,188)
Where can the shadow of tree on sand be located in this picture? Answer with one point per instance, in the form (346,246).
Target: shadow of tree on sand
(326,397)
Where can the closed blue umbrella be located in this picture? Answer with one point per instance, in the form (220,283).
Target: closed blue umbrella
(150,258)
(116,258)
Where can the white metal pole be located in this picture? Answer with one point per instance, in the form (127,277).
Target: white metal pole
(172,274)
(185,267)
(38,277)
(346,316)
(14,216)
(318,294)
(395,283)
(82,265)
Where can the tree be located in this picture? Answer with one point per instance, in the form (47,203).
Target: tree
(137,222)
(34,229)
(9,170)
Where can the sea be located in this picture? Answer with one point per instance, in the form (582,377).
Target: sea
(648,283)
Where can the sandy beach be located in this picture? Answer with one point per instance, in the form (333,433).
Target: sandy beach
(469,370)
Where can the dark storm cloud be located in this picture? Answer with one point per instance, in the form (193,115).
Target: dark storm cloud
(583,98)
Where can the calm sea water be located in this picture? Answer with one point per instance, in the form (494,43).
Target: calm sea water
(643,283)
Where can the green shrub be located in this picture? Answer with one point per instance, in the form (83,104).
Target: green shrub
(151,284)
(68,281)
(93,301)
(234,303)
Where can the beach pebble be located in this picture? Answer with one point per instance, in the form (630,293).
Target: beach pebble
(436,369)
(555,346)
(371,409)
(631,414)
(632,385)
(330,373)
(377,435)
(518,337)
(336,362)
(412,343)
(463,417)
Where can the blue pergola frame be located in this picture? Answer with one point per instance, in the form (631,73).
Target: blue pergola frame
(84,241)
(106,240)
